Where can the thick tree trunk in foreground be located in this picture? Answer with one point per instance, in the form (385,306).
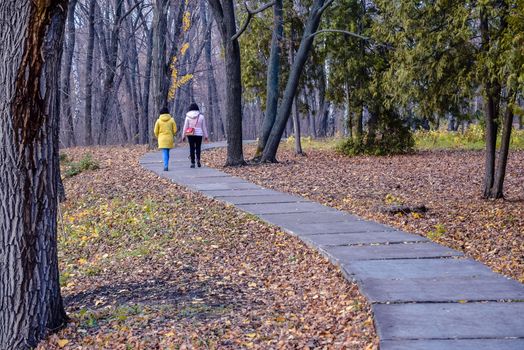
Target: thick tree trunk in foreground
(30,301)
(224,14)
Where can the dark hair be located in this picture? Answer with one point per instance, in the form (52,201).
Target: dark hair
(164,111)
(193,107)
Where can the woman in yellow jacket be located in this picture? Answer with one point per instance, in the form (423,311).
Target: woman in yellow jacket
(165,131)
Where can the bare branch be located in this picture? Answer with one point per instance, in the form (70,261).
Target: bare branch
(358,36)
(129,12)
(250,14)
(341,31)
(323,8)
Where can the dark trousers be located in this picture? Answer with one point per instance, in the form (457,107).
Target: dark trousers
(195,145)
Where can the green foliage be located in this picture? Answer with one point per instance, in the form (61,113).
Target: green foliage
(471,139)
(439,60)
(74,168)
(437,233)
(352,65)
(392,137)
(393,200)
(255,44)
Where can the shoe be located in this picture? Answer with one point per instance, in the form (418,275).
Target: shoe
(166,169)
(192,165)
(198,164)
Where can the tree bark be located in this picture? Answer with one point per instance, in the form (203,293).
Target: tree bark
(147,136)
(273,77)
(296,129)
(160,73)
(491,141)
(108,88)
(349,114)
(498,187)
(491,92)
(88,114)
(132,76)
(65,95)
(212,93)
(30,298)
(224,14)
(270,151)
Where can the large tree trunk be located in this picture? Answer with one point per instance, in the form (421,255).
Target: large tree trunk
(160,72)
(88,114)
(273,75)
(30,299)
(270,151)
(65,96)
(224,14)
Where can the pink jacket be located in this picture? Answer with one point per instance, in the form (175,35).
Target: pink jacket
(195,120)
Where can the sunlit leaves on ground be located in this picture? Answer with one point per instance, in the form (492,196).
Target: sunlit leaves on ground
(146,264)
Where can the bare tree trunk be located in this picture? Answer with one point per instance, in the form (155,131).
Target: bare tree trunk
(160,66)
(147,136)
(270,151)
(491,142)
(109,92)
(65,99)
(491,97)
(273,77)
(349,115)
(296,128)
(224,14)
(324,105)
(360,123)
(212,98)
(132,77)
(30,297)
(311,123)
(89,75)
(498,187)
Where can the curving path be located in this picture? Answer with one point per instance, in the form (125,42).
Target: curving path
(423,295)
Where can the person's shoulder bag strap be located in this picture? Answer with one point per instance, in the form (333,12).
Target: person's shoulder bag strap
(196,123)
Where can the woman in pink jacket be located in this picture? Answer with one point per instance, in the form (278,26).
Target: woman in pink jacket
(194,129)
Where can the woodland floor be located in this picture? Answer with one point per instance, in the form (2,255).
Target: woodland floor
(146,264)
(448,183)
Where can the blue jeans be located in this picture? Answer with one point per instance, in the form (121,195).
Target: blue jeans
(165,156)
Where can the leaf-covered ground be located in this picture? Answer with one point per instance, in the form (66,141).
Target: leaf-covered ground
(447,182)
(146,264)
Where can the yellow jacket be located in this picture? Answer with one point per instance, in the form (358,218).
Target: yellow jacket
(165,130)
